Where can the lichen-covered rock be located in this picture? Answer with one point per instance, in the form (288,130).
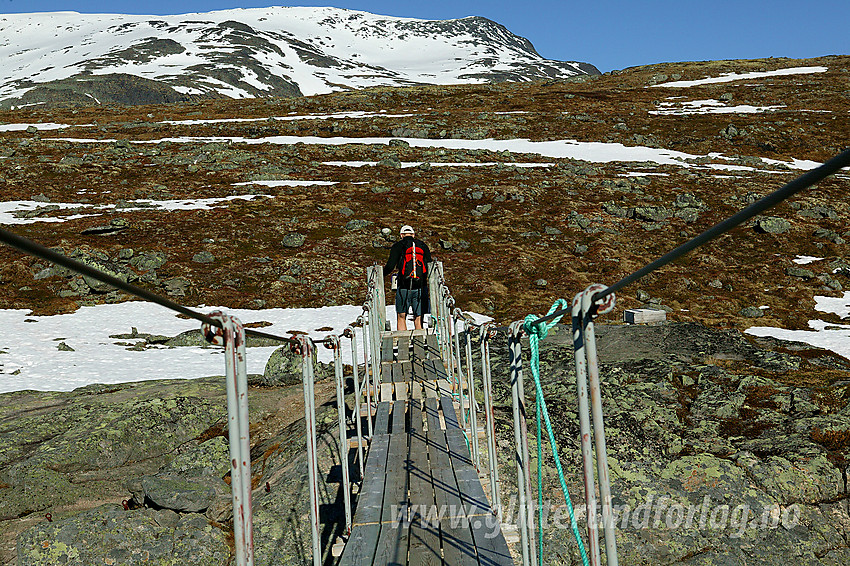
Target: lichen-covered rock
(172,491)
(285,368)
(282,516)
(752,312)
(293,240)
(652,213)
(707,466)
(209,458)
(772,225)
(148,261)
(33,489)
(111,535)
(177,286)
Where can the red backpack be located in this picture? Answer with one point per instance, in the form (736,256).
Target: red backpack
(413,262)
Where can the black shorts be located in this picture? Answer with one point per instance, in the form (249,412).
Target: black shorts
(406,299)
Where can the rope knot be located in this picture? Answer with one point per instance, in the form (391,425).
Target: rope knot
(541,331)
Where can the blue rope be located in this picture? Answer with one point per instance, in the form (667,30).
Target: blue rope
(537,332)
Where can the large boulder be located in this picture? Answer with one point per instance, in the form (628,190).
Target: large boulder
(285,368)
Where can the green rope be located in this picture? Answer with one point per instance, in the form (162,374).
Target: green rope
(537,332)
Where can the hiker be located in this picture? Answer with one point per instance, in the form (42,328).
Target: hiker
(410,257)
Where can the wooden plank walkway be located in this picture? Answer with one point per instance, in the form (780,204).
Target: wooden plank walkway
(421,502)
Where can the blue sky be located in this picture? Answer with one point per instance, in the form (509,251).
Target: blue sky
(611,34)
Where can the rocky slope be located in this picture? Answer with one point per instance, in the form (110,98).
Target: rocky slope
(721,450)
(747,438)
(71,59)
(517,223)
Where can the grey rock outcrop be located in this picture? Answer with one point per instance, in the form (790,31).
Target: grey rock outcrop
(727,466)
(285,367)
(293,240)
(111,535)
(772,225)
(706,457)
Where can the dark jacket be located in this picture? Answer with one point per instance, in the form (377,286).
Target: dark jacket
(396,256)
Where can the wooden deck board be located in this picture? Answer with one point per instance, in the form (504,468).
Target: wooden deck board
(449,412)
(393,538)
(430,372)
(433,346)
(424,532)
(402,371)
(439,369)
(382,419)
(361,545)
(403,348)
(371,498)
(456,537)
(419,348)
(421,502)
(490,543)
(418,369)
(387,349)
(416,390)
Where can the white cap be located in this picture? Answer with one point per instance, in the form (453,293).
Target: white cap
(406,229)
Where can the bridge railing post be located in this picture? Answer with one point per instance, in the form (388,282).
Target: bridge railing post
(434,295)
(584,311)
(231,335)
(451,330)
(306,347)
(526,515)
(464,420)
(332,342)
(489,418)
(358,394)
(470,387)
(439,296)
(377,322)
(376,278)
(366,372)
(584,431)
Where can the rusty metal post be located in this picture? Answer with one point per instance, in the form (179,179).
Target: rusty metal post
(490,418)
(231,335)
(588,312)
(473,418)
(449,349)
(375,329)
(306,347)
(365,331)
(584,424)
(464,420)
(526,516)
(332,342)
(358,396)
(433,296)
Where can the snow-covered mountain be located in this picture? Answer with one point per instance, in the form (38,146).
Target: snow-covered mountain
(277,51)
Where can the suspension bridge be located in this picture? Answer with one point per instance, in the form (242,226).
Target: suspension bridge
(429,493)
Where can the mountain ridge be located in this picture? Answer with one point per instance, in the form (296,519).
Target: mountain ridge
(257,52)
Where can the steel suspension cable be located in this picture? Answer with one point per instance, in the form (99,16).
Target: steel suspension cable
(800,183)
(32,248)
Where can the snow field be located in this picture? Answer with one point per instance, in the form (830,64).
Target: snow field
(30,357)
